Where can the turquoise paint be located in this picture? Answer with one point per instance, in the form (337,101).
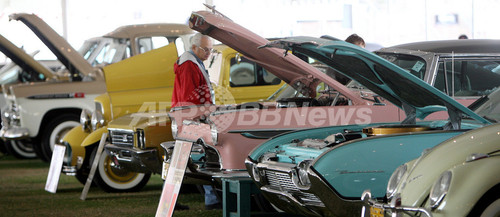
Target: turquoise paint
(276,144)
(368,164)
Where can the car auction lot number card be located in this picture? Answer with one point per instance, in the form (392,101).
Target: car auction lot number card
(55,168)
(173,181)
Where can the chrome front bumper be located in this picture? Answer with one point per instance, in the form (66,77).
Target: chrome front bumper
(69,170)
(372,207)
(135,160)
(14,133)
(276,184)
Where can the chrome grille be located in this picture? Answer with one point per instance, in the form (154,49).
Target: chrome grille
(122,137)
(283,182)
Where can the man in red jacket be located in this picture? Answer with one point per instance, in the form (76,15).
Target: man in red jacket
(192,84)
(192,87)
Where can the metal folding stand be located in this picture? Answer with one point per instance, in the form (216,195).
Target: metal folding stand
(236,196)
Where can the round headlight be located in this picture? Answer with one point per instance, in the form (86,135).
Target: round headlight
(6,114)
(301,178)
(173,125)
(85,117)
(393,183)
(255,172)
(97,120)
(213,131)
(440,189)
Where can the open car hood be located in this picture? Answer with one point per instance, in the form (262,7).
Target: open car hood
(288,68)
(66,54)
(417,98)
(22,59)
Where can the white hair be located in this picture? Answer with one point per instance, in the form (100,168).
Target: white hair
(196,39)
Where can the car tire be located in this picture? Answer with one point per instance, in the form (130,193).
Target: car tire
(21,149)
(493,209)
(112,179)
(488,205)
(3,149)
(55,131)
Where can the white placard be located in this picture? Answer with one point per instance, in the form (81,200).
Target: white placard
(94,167)
(55,168)
(173,181)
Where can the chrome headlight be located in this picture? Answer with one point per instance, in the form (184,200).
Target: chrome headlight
(300,177)
(97,120)
(440,189)
(173,125)
(85,118)
(11,116)
(213,131)
(255,172)
(393,183)
(6,115)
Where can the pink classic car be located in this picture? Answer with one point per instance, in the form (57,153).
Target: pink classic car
(226,134)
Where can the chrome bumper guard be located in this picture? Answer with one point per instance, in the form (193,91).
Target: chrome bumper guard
(278,179)
(135,160)
(14,133)
(69,170)
(395,206)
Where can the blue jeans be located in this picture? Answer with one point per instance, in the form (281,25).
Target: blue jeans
(210,195)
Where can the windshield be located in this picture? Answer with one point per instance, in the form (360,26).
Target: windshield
(488,106)
(104,51)
(413,64)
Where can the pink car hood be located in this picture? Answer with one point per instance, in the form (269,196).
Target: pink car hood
(289,68)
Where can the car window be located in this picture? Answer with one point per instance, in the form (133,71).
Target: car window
(101,56)
(112,52)
(243,72)
(149,43)
(88,48)
(179,44)
(413,64)
(467,77)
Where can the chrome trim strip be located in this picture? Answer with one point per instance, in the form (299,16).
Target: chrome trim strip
(368,201)
(287,195)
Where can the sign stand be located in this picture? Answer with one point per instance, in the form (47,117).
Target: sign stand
(55,168)
(173,182)
(94,167)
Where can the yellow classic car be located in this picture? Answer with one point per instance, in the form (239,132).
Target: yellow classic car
(135,108)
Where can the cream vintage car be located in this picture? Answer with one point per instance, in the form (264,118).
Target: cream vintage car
(458,177)
(42,113)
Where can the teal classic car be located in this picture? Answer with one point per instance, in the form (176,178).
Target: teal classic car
(323,171)
(458,177)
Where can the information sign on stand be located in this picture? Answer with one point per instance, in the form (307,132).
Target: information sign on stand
(94,167)
(173,181)
(55,168)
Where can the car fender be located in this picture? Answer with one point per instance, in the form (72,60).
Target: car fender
(74,139)
(33,120)
(363,163)
(94,137)
(470,181)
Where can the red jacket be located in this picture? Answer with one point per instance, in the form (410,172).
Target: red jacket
(190,86)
